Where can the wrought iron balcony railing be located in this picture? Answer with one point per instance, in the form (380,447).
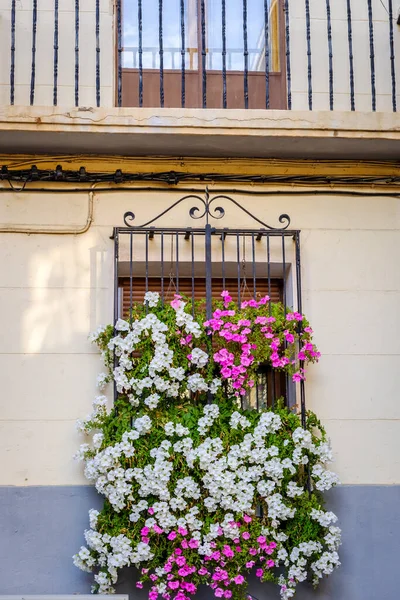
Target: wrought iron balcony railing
(285,54)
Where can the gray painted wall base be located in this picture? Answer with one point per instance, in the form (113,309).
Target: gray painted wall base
(42,527)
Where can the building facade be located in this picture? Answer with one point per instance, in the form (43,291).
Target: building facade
(286,107)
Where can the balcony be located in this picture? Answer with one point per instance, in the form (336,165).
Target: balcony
(199,70)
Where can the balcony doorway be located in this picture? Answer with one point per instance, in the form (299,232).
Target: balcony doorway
(203,54)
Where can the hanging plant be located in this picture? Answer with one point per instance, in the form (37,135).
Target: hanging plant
(197,492)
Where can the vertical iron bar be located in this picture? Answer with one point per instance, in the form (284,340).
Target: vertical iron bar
(245,56)
(309,65)
(266,35)
(147,261)
(130,274)
(224,88)
(208,257)
(55,58)
(162,268)
(76,52)
(140,30)
(258,391)
(300,309)
(33,66)
(192,244)
(177,263)
(253,250)
(119,53)
(97,53)
(12,66)
(287,41)
(284,272)
(116,296)
(273,386)
(238,268)
(161,50)
(269,271)
(330,50)
(372,55)
(223,260)
(203,53)
(392,56)
(351,57)
(183,53)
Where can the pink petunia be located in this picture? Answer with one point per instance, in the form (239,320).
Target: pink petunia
(173,585)
(261,539)
(239,579)
(259,573)
(247,519)
(158,529)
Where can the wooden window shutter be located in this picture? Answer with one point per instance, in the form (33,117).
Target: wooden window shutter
(185,288)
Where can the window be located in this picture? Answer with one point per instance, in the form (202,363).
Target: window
(162,56)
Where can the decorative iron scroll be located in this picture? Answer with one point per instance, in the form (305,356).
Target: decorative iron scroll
(208,210)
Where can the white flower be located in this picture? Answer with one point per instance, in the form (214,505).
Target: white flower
(199,357)
(152,299)
(122,325)
(102,380)
(294,490)
(152,401)
(94,336)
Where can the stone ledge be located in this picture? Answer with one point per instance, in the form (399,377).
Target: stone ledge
(198,132)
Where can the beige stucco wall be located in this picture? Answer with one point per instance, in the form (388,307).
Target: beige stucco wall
(55,289)
(298,45)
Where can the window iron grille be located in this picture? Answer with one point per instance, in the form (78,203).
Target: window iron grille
(201,261)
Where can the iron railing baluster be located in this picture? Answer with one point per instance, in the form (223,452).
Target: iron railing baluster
(161,50)
(140,31)
(33,65)
(97,53)
(392,57)
(288,67)
(224,86)
(245,57)
(76,52)
(12,49)
(351,57)
(183,56)
(309,60)
(266,42)
(119,53)
(372,55)
(330,52)
(203,54)
(55,55)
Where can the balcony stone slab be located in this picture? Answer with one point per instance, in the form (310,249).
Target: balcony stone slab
(199,132)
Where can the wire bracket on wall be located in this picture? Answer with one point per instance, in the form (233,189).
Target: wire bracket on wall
(207,210)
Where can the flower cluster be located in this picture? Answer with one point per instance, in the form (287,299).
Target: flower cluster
(260,331)
(196,492)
